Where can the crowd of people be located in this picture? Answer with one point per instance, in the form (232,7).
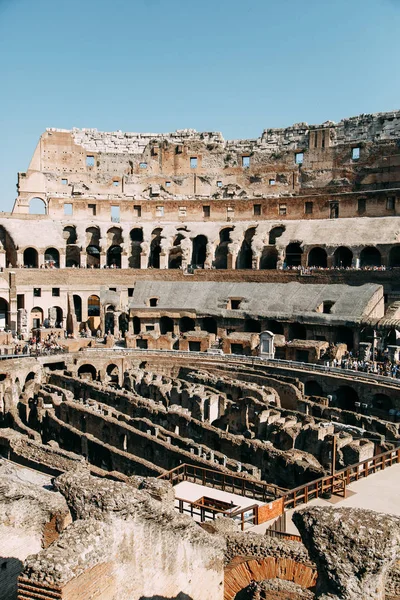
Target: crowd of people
(309,270)
(382,366)
(36,347)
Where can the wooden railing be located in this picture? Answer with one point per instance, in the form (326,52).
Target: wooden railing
(282,535)
(234,484)
(337,483)
(244,516)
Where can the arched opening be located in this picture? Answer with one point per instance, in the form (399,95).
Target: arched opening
(29,378)
(155,249)
(78,307)
(7,243)
(344,335)
(114,257)
(245,256)
(175,254)
(93,236)
(166,325)
(297,331)
(275,233)
(269,258)
(293,254)
(37,206)
(382,402)
(313,388)
(114,236)
(93,306)
(69,234)
(36,317)
(370,257)
(93,257)
(55,317)
(123,323)
(72,256)
(136,236)
(210,325)
(343,257)
(317,257)
(346,397)
(113,374)
(186,324)
(31,258)
(136,325)
(3,313)
(52,257)
(394,256)
(87,372)
(109,321)
(252,326)
(221,251)
(274,327)
(199,251)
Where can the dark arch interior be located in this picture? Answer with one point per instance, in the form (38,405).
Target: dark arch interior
(199,251)
(343,257)
(114,256)
(30,258)
(317,258)
(370,257)
(269,258)
(293,255)
(275,233)
(245,256)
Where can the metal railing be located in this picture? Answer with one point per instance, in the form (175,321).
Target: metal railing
(225,482)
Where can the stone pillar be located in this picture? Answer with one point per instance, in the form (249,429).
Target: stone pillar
(163,259)
(124,260)
(330,260)
(255,263)
(143,260)
(20,259)
(231,260)
(40,259)
(3,259)
(103,259)
(83,260)
(62,260)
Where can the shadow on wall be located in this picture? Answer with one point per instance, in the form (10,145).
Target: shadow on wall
(10,568)
(180,596)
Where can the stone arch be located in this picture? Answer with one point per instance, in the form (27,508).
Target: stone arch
(72,256)
(136,236)
(243,570)
(269,258)
(275,233)
(93,306)
(70,235)
(313,388)
(77,307)
(346,397)
(245,255)
(93,236)
(317,257)
(221,251)
(52,257)
(109,321)
(370,257)
(166,325)
(123,323)
(9,246)
(394,256)
(155,248)
(31,258)
(56,315)
(175,254)
(293,254)
(199,252)
(342,257)
(37,206)
(4,308)
(186,324)
(93,256)
(114,236)
(114,257)
(87,371)
(36,317)
(112,371)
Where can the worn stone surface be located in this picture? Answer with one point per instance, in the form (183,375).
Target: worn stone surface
(353,549)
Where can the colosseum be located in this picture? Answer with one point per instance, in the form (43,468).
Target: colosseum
(199,368)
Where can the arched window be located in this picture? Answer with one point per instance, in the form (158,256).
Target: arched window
(93,306)
(93,256)
(293,254)
(52,257)
(136,236)
(3,313)
(221,251)
(36,317)
(175,254)
(155,249)
(343,257)
(210,325)
(317,258)
(199,251)
(186,324)
(78,307)
(114,257)
(31,258)
(297,331)
(269,258)
(166,325)
(37,206)
(87,372)
(275,233)
(245,256)
(370,257)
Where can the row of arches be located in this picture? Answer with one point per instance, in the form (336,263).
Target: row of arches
(346,396)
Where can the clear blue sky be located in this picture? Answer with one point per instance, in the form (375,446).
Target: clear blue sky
(160,65)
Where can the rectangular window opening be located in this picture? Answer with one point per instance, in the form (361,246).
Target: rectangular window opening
(115,183)
(282,210)
(92,209)
(362,203)
(143,165)
(137,211)
(130,292)
(55,292)
(206,211)
(193,162)
(390,203)
(272,182)
(115,214)
(219,183)
(355,153)
(167,184)
(308,208)
(299,158)
(64,181)
(257,210)
(68,209)
(182,211)
(159,211)
(90,161)
(245,162)
(37,292)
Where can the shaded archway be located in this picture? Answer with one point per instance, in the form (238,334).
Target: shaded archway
(93,306)
(69,234)
(72,256)
(109,321)
(36,317)
(113,374)
(166,325)
(370,257)
(56,316)
(275,233)
(394,256)
(269,258)
(245,256)
(136,236)
(7,243)
(317,257)
(155,249)
(114,257)
(3,313)
(31,258)
(123,323)
(293,254)
(87,371)
(382,402)
(313,388)
(346,397)
(344,335)
(343,257)
(37,206)
(186,324)
(78,307)
(221,251)
(175,254)
(209,324)
(93,256)
(52,257)
(199,251)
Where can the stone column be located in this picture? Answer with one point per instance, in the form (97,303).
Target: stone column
(40,259)
(163,259)
(103,259)
(83,260)
(62,260)
(143,260)
(124,260)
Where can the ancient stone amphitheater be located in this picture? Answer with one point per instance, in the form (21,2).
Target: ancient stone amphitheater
(199,366)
